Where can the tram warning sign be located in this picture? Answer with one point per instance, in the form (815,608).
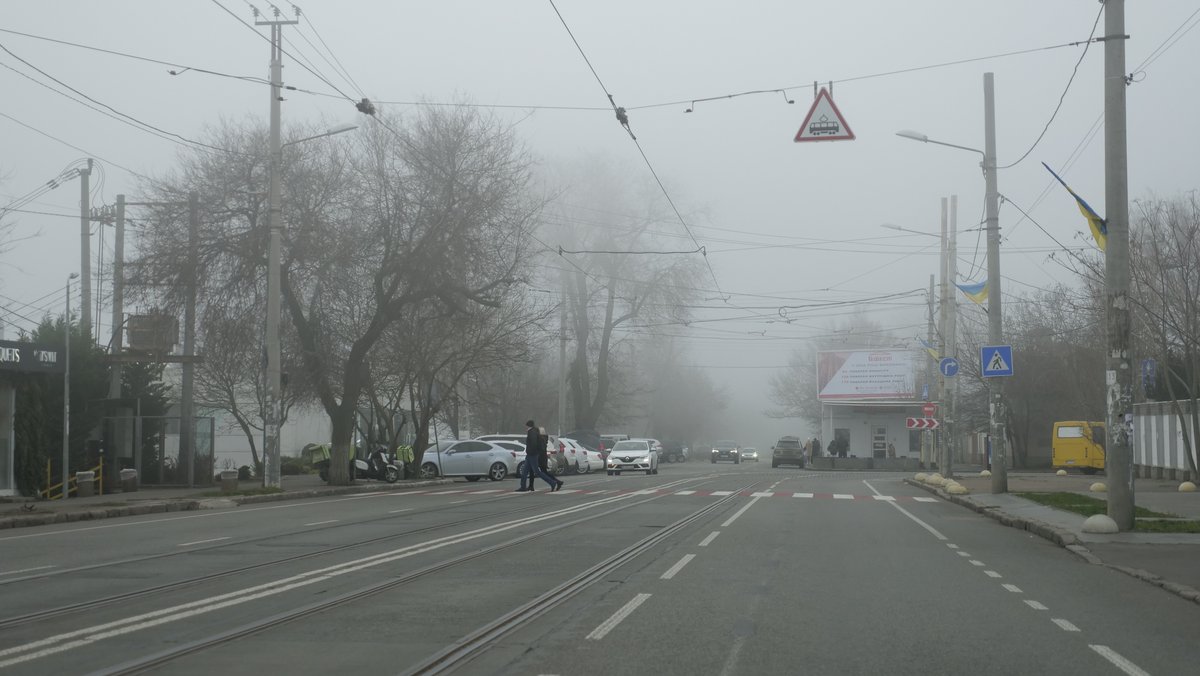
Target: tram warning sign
(824,121)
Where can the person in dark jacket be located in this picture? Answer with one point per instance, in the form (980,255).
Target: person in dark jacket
(533,444)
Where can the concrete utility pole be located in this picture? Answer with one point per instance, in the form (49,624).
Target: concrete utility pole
(118,300)
(274,412)
(562,355)
(927,446)
(943,295)
(66,439)
(187,423)
(85,249)
(995,310)
(951,302)
(1118,374)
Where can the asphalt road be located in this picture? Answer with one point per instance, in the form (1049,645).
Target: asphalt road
(702,569)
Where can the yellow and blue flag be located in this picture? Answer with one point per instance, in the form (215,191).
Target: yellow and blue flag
(930,349)
(1098,225)
(976,291)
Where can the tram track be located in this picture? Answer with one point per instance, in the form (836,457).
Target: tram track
(471,645)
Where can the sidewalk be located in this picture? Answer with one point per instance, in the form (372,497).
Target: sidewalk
(23,512)
(1167,560)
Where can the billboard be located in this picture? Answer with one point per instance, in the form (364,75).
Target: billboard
(866,375)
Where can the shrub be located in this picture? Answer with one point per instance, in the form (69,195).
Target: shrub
(244,473)
(292,466)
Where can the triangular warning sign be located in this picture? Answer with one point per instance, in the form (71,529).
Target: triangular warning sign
(997,363)
(824,122)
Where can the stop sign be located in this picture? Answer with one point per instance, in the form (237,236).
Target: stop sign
(929,409)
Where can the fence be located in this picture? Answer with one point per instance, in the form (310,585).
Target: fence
(150,445)
(1159,450)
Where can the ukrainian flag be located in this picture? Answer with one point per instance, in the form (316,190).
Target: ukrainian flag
(930,349)
(1098,225)
(976,291)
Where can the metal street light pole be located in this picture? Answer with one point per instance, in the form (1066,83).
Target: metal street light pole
(66,439)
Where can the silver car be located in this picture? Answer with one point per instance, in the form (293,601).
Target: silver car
(633,455)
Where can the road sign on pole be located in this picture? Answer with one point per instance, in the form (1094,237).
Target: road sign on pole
(997,360)
(824,122)
(948,366)
(929,409)
(922,423)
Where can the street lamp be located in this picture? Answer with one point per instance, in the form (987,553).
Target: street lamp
(995,325)
(66,440)
(274,412)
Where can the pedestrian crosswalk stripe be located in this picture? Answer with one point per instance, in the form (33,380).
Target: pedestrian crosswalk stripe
(925,499)
(763,494)
(699,493)
(684,492)
(842,496)
(802,495)
(722,493)
(886,498)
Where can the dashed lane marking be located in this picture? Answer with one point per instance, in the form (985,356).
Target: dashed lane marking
(684,492)
(673,570)
(842,496)
(721,493)
(24,570)
(1035,605)
(397,511)
(951,546)
(962,553)
(977,562)
(739,512)
(1012,588)
(708,540)
(992,573)
(321,523)
(1118,661)
(1064,625)
(802,495)
(204,542)
(608,625)
(460,490)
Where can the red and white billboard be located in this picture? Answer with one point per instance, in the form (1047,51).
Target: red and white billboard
(866,374)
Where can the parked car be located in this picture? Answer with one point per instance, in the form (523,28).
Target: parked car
(675,451)
(633,455)
(575,455)
(726,450)
(595,461)
(555,462)
(589,439)
(610,440)
(749,453)
(472,459)
(787,451)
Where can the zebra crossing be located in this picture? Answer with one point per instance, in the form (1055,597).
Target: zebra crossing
(466,492)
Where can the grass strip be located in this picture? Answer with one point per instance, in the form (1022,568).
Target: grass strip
(1085,504)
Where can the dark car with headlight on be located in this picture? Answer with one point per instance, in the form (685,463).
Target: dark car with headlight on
(727,450)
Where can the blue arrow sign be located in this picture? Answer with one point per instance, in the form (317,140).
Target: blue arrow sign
(997,360)
(948,366)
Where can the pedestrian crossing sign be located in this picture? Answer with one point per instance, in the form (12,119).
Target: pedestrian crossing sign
(996,360)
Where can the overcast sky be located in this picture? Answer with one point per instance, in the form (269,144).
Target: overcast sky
(795,220)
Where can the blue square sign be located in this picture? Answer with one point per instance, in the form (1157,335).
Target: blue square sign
(997,360)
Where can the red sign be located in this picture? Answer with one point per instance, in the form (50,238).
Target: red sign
(922,423)
(929,409)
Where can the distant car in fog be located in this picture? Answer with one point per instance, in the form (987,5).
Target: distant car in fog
(749,453)
(726,450)
(633,455)
(787,451)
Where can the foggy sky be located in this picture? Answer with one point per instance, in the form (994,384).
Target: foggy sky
(730,165)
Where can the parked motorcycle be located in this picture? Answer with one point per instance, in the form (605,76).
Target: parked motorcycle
(380,466)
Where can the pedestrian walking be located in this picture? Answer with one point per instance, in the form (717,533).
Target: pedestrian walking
(816,447)
(533,444)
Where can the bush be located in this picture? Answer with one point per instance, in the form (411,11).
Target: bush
(292,466)
(244,473)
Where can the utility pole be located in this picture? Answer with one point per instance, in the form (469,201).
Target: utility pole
(274,410)
(927,446)
(995,310)
(1118,374)
(951,302)
(943,294)
(66,410)
(187,423)
(562,354)
(118,300)
(85,249)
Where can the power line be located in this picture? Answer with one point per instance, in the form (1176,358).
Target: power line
(74,147)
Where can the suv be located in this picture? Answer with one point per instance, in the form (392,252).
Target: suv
(726,450)
(787,451)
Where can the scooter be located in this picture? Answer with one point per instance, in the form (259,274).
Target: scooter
(379,465)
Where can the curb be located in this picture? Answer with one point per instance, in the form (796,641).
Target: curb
(1062,538)
(191,504)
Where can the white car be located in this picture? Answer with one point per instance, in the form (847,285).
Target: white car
(633,455)
(555,462)
(575,455)
(595,460)
(472,459)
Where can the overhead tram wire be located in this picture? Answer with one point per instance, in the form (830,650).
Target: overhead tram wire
(339,67)
(73,147)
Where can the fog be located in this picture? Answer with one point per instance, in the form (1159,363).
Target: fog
(785,226)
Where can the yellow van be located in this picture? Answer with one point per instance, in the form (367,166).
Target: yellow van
(1078,445)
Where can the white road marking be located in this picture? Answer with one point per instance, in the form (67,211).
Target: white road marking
(910,515)
(919,499)
(24,570)
(842,496)
(962,553)
(708,540)
(884,498)
(321,523)
(397,494)
(739,512)
(456,502)
(200,542)
(992,573)
(1035,605)
(460,490)
(685,492)
(722,493)
(611,623)
(673,570)
(397,511)
(802,495)
(1118,661)
(763,494)
(88,636)
(951,546)
(564,491)
(976,562)
(1064,625)
(1012,588)
(731,661)
(489,490)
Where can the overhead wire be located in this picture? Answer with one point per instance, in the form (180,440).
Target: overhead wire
(72,146)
